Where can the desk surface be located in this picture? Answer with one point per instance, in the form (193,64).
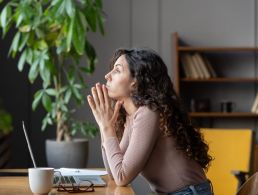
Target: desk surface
(20,185)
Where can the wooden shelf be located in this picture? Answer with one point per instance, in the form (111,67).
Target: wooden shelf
(182,84)
(216,49)
(222,114)
(220,80)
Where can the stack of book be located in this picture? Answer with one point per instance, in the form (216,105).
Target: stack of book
(197,66)
(254,108)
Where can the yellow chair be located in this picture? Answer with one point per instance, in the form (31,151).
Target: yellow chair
(232,149)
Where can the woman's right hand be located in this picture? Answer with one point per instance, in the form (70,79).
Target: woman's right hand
(100,104)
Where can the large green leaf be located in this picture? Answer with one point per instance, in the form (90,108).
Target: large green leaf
(22,60)
(29,56)
(77,94)
(25,28)
(20,19)
(15,44)
(68,95)
(51,92)
(70,34)
(69,7)
(41,44)
(47,120)
(52,68)
(91,58)
(6,28)
(5,15)
(61,9)
(46,101)
(55,2)
(24,39)
(37,98)
(34,71)
(79,35)
(45,75)
(90,14)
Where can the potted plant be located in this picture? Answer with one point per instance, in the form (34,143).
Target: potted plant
(51,37)
(5,136)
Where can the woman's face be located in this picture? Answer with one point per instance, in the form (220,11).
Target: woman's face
(119,80)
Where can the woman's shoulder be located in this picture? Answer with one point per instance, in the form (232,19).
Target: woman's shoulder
(145,111)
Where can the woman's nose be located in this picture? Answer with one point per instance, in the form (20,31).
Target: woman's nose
(107,76)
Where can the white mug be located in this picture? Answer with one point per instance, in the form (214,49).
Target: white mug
(41,179)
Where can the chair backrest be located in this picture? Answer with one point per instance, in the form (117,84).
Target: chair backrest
(250,187)
(232,150)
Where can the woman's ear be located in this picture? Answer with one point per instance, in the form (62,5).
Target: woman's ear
(133,83)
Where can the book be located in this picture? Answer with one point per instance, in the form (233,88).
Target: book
(190,63)
(254,108)
(198,66)
(209,66)
(203,66)
(185,67)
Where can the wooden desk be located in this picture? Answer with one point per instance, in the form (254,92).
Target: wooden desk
(20,185)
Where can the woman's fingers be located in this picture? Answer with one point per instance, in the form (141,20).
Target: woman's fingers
(91,102)
(100,94)
(95,96)
(106,97)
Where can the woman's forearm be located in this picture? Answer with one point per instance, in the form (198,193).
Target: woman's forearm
(104,157)
(108,132)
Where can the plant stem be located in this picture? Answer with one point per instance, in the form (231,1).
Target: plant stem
(62,128)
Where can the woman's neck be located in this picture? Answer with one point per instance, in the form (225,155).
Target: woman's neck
(129,106)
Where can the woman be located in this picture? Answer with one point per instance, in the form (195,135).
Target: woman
(157,139)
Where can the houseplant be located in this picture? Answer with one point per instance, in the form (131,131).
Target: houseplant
(5,136)
(51,37)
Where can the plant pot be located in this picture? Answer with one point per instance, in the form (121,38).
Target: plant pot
(70,154)
(5,150)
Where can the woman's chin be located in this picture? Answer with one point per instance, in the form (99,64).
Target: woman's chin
(111,95)
(114,96)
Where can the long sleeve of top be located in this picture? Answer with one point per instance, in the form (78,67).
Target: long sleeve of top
(127,160)
(123,145)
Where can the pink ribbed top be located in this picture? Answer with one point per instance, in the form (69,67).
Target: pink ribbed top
(144,150)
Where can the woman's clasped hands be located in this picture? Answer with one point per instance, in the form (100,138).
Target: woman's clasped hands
(105,115)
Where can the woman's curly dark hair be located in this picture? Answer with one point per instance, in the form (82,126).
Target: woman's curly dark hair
(154,89)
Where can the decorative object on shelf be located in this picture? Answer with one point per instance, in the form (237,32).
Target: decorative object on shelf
(6,129)
(200,105)
(227,106)
(52,38)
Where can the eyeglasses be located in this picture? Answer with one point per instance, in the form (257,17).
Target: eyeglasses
(76,188)
(83,186)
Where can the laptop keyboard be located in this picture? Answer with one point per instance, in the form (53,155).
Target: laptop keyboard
(64,180)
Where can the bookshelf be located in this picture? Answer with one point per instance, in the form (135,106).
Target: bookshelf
(184,82)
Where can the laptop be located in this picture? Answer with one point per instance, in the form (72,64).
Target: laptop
(67,180)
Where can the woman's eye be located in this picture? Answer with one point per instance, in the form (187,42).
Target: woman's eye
(116,70)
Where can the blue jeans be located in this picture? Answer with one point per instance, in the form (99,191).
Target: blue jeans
(204,188)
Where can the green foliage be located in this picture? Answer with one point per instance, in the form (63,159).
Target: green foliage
(5,122)
(51,38)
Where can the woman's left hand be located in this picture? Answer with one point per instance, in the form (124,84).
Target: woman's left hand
(100,104)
